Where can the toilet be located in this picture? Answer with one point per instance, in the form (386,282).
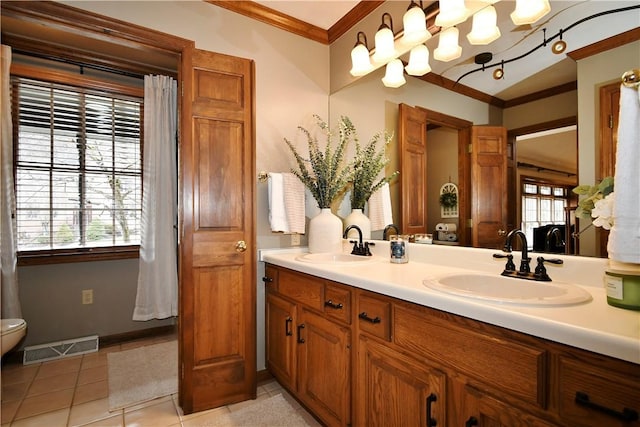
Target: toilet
(12,332)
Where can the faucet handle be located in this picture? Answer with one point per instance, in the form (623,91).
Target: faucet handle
(510,265)
(541,271)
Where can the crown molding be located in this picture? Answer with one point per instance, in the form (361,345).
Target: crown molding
(606,44)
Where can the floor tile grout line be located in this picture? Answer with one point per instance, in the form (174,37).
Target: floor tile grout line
(26,393)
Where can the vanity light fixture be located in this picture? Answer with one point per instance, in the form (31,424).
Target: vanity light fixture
(360,60)
(415,25)
(448,48)
(529,11)
(394,76)
(452,12)
(418,61)
(385,49)
(484,29)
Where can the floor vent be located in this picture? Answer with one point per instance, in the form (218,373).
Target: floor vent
(60,349)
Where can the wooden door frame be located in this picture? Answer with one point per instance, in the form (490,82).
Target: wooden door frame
(463,127)
(513,218)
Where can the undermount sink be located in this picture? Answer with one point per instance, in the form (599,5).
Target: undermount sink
(334,258)
(509,290)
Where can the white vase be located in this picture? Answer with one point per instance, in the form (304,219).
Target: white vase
(325,232)
(357,217)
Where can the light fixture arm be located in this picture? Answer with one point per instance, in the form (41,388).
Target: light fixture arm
(544,43)
(358,41)
(384,25)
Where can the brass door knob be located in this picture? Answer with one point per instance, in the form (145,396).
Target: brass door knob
(241,246)
(502,232)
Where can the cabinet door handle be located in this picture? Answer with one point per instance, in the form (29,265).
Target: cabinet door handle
(582,399)
(333,305)
(300,339)
(431,422)
(287,326)
(267,279)
(364,316)
(472,421)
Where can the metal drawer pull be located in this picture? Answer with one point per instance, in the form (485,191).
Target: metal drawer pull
(333,305)
(364,316)
(300,328)
(287,326)
(267,279)
(627,414)
(431,422)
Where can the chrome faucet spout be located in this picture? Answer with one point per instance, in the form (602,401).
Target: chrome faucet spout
(524,263)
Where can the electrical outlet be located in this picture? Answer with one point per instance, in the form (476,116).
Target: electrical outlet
(87,296)
(295,239)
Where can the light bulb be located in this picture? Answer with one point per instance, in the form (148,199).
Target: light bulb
(484,29)
(394,76)
(418,61)
(415,26)
(448,48)
(452,12)
(529,11)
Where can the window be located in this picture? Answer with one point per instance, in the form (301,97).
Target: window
(78,167)
(542,204)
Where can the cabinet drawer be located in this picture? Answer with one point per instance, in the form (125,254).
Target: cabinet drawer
(337,302)
(597,396)
(508,366)
(301,288)
(374,316)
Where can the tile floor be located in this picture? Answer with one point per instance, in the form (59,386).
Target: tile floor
(74,392)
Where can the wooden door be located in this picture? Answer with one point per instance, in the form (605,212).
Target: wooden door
(395,390)
(280,323)
(412,145)
(488,186)
(324,368)
(217,322)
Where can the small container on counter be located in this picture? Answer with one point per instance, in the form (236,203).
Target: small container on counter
(398,249)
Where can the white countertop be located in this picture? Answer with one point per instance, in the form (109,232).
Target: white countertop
(594,326)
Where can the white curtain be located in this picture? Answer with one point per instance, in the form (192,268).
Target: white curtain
(157,296)
(10,300)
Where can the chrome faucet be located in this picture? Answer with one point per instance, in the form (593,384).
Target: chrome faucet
(385,235)
(524,262)
(358,247)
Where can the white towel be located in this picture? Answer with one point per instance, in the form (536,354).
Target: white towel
(624,239)
(277,213)
(380,212)
(294,202)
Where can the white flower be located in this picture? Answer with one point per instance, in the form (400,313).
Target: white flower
(603,212)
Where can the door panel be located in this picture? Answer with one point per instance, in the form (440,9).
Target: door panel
(488,186)
(217,272)
(412,143)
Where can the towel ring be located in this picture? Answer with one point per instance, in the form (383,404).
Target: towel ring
(631,78)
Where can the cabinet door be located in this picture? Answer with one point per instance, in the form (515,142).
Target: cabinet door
(395,390)
(324,368)
(471,407)
(280,321)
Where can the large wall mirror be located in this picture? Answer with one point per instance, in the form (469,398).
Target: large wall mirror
(554,141)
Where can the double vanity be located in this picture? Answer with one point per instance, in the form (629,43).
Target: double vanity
(445,340)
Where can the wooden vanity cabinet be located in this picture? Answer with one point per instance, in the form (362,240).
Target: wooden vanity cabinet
(417,366)
(308,341)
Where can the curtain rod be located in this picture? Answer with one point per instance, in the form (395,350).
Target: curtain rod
(79,63)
